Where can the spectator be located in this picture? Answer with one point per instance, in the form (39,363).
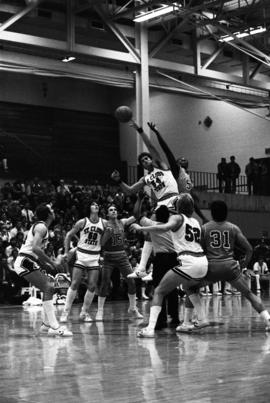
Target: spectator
(260,271)
(261,250)
(264,179)
(28,214)
(62,188)
(233,174)
(18,227)
(12,245)
(251,172)
(222,176)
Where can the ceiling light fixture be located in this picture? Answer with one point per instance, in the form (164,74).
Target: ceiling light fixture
(246,32)
(149,15)
(67,59)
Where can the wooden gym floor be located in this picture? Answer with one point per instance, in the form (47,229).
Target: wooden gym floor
(106,362)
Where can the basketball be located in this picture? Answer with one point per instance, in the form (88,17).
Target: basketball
(123,114)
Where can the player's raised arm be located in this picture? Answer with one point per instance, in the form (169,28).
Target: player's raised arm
(152,149)
(175,222)
(167,151)
(115,176)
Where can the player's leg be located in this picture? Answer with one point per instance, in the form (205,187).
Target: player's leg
(30,270)
(125,269)
(92,280)
(241,285)
(106,274)
(146,253)
(50,324)
(72,291)
(169,282)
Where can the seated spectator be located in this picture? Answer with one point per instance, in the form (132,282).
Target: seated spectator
(11,247)
(16,229)
(261,273)
(11,259)
(28,214)
(4,233)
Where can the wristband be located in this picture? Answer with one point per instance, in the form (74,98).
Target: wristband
(140,130)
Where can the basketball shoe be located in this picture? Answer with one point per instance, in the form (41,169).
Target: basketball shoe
(44,328)
(85,317)
(135,313)
(61,331)
(146,333)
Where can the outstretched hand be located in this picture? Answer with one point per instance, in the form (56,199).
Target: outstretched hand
(152,126)
(136,227)
(133,124)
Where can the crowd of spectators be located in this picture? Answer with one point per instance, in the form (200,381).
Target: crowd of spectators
(71,202)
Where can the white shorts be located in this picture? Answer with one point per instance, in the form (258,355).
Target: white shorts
(167,202)
(87,260)
(192,267)
(25,265)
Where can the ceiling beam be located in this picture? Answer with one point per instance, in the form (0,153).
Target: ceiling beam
(255,71)
(112,55)
(19,15)
(166,38)
(124,40)
(212,57)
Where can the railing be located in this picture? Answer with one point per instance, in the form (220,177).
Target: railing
(204,181)
(207,181)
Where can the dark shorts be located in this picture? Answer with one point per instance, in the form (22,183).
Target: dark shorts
(223,271)
(119,261)
(228,270)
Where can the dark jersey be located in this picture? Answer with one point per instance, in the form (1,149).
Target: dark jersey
(219,240)
(116,242)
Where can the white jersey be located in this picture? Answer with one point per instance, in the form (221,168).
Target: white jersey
(27,246)
(162,183)
(187,238)
(90,237)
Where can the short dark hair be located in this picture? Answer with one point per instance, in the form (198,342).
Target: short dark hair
(42,212)
(144,154)
(162,214)
(219,210)
(112,205)
(184,204)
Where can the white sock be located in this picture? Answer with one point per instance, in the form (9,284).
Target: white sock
(188,314)
(196,301)
(71,294)
(101,302)
(87,301)
(258,285)
(154,312)
(143,292)
(49,312)
(215,287)
(146,252)
(44,318)
(265,315)
(132,301)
